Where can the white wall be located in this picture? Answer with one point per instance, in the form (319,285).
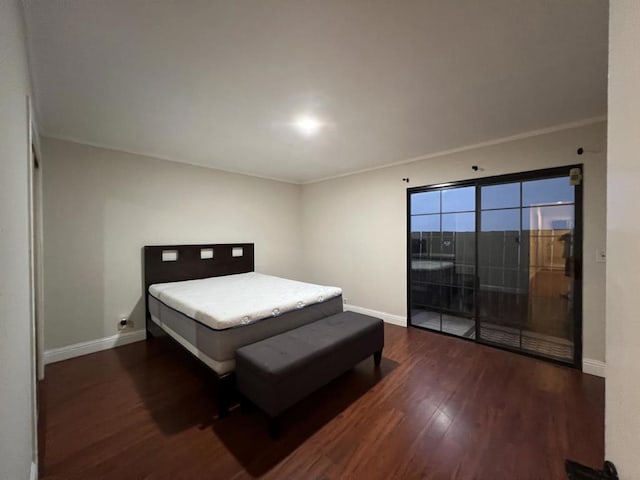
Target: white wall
(354,227)
(16,356)
(622,416)
(102,206)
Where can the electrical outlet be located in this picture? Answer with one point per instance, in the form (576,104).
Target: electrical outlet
(344,300)
(124,323)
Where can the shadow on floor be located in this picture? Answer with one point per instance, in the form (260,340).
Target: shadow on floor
(244,433)
(177,390)
(180,393)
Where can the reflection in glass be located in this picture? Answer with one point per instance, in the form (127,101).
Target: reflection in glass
(555,217)
(547,191)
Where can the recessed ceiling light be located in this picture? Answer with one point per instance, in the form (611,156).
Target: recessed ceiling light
(307,125)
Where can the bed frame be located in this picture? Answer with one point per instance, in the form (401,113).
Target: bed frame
(160,267)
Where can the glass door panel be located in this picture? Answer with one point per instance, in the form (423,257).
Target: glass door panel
(442,263)
(526,266)
(502,291)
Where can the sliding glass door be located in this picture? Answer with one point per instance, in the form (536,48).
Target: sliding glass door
(497,260)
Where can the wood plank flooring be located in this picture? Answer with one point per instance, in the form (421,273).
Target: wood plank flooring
(439,408)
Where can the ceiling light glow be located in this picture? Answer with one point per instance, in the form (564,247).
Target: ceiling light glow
(307,125)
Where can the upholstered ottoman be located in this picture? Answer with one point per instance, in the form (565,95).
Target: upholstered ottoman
(279,371)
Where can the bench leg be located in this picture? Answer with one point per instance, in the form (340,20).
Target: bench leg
(273,426)
(377,358)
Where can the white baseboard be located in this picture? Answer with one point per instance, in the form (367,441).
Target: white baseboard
(33,474)
(594,367)
(387,317)
(84,348)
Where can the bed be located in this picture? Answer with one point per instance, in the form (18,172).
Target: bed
(209,300)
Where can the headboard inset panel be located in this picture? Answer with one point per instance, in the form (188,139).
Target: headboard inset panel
(189,266)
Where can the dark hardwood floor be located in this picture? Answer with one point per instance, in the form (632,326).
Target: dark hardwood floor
(439,408)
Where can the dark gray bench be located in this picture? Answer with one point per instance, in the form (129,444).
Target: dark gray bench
(277,372)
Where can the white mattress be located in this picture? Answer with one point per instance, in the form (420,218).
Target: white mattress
(234,300)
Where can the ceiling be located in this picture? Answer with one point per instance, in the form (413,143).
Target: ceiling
(217,83)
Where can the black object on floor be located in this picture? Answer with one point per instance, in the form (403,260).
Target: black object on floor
(575,471)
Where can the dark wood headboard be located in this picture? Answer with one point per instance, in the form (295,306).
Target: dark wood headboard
(189,266)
